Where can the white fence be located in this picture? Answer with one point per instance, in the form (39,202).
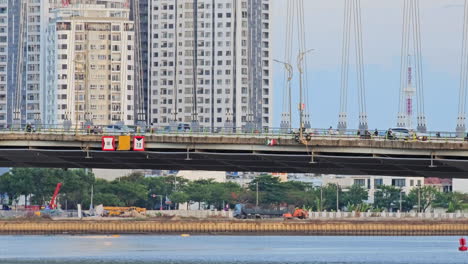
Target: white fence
(384,215)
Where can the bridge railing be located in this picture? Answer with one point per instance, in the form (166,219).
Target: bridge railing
(309,134)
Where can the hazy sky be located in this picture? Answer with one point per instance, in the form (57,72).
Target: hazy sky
(441,29)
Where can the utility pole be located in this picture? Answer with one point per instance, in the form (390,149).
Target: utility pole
(321,198)
(400,200)
(257,194)
(337,198)
(419,198)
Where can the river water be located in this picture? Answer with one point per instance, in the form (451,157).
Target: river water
(229,249)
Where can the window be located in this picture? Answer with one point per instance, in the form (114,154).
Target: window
(399,182)
(360,182)
(378,183)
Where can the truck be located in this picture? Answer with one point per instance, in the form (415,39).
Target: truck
(242,212)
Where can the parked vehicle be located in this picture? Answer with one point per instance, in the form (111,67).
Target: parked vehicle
(298,213)
(242,212)
(122,129)
(183,127)
(398,133)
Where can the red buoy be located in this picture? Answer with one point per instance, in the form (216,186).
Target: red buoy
(462,245)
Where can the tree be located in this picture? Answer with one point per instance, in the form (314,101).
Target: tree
(425,195)
(451,201)
(107,199)
(329,196)
(271,189)
(356,195)
(198,191)
(387,197)
(179,197)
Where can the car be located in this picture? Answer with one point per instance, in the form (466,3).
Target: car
(122,129)
(183,127)
(398,133)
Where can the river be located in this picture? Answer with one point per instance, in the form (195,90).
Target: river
(229,249)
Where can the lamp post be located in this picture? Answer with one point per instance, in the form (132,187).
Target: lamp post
(300,59)
(289,69)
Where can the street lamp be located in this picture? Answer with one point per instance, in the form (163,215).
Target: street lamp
(289,69)
(300,59)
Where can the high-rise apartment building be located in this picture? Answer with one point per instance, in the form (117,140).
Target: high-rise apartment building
(90,66)
(23,25)
(139,15)
(210,63)
(4,10)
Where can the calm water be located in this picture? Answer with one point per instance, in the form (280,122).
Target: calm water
(228,249)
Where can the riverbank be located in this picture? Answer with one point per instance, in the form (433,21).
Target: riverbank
(230,227)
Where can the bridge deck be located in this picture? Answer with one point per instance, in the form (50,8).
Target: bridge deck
(331,155)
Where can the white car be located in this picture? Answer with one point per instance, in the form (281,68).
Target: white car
(398,133)
(118,129)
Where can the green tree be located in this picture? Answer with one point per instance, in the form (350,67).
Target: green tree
(271,189)
(329,196)
(451,201)
(387,197)
(356,195)
(107,199)
(179,197)
(198,191)
(424,195)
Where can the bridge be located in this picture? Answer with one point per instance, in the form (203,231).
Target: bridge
(323,154)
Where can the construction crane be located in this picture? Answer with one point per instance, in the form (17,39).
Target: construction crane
(53,200)
(65,3)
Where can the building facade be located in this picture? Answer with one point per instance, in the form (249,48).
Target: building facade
(90,66)
(4,43)
(210,63)
(372,183)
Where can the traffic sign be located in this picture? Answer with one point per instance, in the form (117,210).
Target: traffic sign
(139,143)
(108,143)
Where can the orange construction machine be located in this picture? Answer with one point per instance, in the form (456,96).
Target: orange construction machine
(298,213)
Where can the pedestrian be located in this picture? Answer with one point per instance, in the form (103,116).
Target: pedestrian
(376,132)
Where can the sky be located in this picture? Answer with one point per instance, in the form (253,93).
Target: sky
(441,29)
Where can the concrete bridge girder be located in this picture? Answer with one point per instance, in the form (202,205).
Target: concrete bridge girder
(241,153)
